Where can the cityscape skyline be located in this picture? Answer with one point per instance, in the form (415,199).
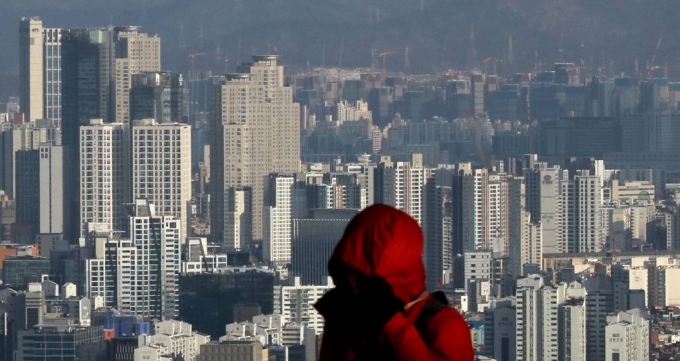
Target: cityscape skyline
(175,212)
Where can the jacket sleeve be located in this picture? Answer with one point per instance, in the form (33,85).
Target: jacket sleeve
(450,338)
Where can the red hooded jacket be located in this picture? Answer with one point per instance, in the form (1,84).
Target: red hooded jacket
(382,241)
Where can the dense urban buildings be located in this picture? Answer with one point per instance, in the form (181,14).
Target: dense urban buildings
(188,210)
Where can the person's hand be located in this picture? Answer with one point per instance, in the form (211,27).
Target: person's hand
(378,301)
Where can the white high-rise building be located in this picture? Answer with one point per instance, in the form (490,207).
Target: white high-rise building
(139,276)
(528,331)
(278,217)
(400,185)
(104,174)
(545,327)
(51,192)
(161,167)
(296,302)
(136,52)
(348,112)
(627,335)
(583,202)
(31,76)
(256,132)
(544,202)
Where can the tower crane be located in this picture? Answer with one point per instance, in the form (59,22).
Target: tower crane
(193,60)
(384,56)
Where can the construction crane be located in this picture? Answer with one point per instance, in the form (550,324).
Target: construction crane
(384,56)
(193,60)
(471,124)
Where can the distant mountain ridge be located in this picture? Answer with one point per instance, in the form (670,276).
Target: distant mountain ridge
(436,32)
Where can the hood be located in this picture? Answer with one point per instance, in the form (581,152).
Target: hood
(386,242)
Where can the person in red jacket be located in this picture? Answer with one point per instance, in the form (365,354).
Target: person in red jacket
(380,308)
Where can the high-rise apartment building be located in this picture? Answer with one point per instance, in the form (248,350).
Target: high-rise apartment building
(256,132)
(96,67)
(158,95)
(583,201)
(31,76)
(400,185)
(572,330)
(104,171)
(139,276)
(161,167)
(437,234)
(135,52)
(277,218)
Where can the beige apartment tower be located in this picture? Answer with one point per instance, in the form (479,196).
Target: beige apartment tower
(161,168)
(256,132)
(135,52)
(31,68)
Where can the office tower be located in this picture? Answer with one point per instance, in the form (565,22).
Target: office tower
(627,335)
(104,174)
(572,330)
(381,105)
(27,188)
(209,299)
(583,197)
(296,302)
(139,276)
(277,217)
(31,68)
(51,190)
(437,234)
(52,71)
(70,342)
(135,52)
(314,240)
(400,184)
(26,136)
(161,168)
(238,215)
(256,132)
(86,64)
(18,271)
(544,202)
(97,66)
(500,336)
(158,95)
